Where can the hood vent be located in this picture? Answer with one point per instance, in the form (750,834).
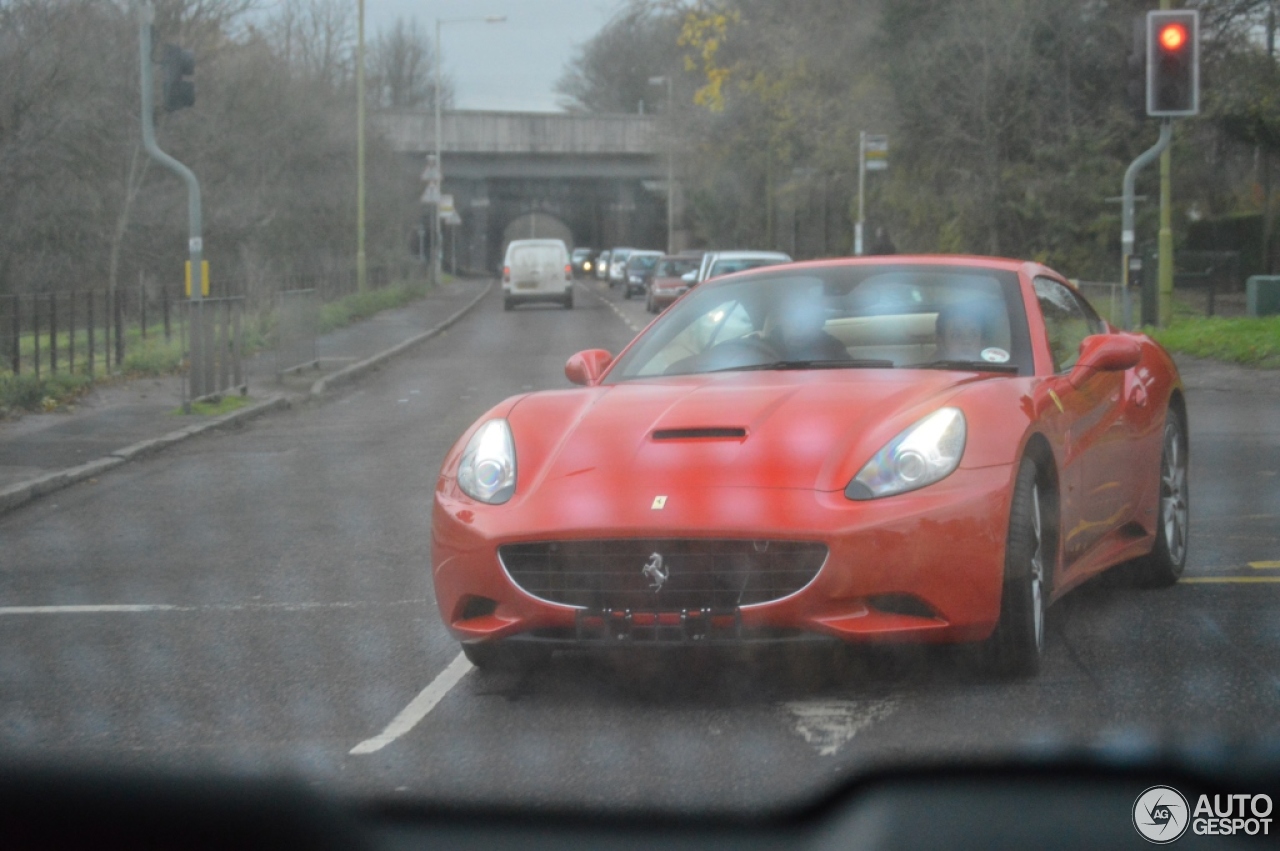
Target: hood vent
(712,433)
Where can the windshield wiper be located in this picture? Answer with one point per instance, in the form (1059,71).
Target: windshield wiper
(864,363)
(969,365)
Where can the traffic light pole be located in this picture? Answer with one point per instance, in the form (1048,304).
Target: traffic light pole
(1164,243)
(195,244)
(1126,211)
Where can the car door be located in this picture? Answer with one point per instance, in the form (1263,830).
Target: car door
(1092,429)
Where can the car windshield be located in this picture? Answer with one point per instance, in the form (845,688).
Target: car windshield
(894,316)
(321,458)
(642,262)
(675,268)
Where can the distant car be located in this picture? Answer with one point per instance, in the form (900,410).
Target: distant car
(667,285)
(602,266)
(922,449)
(536,270)
(618,265)
(640,266)
(581,261)
(717,263)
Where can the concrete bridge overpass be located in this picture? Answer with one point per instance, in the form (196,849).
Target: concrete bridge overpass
(593,180)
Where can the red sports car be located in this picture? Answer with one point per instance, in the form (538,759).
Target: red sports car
(919,449)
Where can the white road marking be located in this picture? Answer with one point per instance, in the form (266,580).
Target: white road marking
(130,608)
(77,610)
(634,328)
(418,707)
(829,725)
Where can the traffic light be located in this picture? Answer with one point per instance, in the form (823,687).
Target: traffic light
(177,64)
(1135,84)
(1173,63)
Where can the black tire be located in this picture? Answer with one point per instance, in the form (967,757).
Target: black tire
(1163,566)
(1016,647)
(626,292)
(504,656)
(507,303)
(568,301)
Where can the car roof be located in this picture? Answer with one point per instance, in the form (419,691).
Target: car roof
(750,255)
(537,242)
(1027,267)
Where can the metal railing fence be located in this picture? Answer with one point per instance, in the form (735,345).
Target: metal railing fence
(83,332)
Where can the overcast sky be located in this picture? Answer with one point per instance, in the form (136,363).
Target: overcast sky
(512,65)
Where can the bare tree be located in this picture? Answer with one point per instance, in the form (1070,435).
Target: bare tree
(316,37)
(401,69)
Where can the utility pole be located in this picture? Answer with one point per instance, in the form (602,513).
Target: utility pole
(858,246)
(671,164)
(435,207)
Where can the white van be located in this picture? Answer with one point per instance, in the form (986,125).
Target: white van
(537,270)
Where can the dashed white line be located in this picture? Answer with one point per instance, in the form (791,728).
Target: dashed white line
(418,707)
(626,321)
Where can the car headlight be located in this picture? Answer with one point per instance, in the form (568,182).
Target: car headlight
(636,279)
(488,468)
(925,453)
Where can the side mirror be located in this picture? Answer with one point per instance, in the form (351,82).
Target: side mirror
(689,278)
(1105,353)
(585,368)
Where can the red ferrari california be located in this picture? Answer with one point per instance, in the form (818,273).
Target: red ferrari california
(906,449)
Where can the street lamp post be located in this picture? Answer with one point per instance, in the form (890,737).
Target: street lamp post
(671,168)
(360,257)
(435,228)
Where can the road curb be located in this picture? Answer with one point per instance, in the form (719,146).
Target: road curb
(20,494)
(355,370)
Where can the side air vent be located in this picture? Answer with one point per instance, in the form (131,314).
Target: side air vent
(722,433)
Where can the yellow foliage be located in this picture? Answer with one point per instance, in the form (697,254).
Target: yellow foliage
(703,33)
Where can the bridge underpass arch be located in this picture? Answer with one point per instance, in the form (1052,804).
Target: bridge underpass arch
(602,176)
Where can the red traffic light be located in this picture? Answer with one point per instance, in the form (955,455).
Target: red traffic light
(1173,63)
(1173,37)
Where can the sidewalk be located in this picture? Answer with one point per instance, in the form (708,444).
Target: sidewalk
(116,422)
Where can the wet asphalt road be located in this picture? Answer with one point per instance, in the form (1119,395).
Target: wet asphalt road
(283,614)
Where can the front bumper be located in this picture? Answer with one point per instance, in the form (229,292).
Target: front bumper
(925,566)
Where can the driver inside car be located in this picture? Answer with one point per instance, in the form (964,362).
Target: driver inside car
(960,332)
(797,331)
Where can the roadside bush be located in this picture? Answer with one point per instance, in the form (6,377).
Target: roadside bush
(28,393)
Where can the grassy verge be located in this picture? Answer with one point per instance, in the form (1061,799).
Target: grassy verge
(1246,341)
(359,306)
(154,356)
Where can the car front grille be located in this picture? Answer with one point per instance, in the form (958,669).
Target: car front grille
(662,574)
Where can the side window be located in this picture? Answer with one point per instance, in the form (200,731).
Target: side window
(1067,319)
(725,321)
